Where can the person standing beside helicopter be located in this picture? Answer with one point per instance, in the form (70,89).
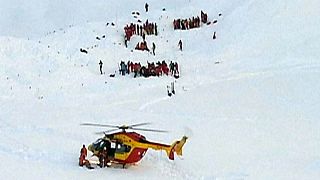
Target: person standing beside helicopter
(84,150)
(103,158)
(83,155)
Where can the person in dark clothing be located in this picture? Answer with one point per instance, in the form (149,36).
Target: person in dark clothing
(100,64)
(180,45)
(153,49)
(141,30)
(171,67)
(155,29)
(143,36)
(146,6)
(175,70)
(125,41)
(168,91)
(172,88)
(103,158)
(123,68)
(214,35)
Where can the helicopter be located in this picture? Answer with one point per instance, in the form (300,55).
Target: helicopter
(128,148)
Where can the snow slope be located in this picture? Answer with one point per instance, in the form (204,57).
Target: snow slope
(248,100)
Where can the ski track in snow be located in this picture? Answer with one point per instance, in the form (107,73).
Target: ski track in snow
(155,101)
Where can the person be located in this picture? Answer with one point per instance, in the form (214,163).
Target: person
(137,46)
(83,155)
(146,6)
(84,150)
(143,36)
(214,35)
(171,67)
(180,45)
(168,91)
(126,41)
(176,69)
(100,63)
(103,158)
(172,88)
(106,159)
(141,30)
(123,68)
(153,48)
(155,29)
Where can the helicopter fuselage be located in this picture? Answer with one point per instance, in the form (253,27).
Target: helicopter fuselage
(125,147)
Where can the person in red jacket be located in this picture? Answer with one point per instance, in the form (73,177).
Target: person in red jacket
(83,155)
(84,150)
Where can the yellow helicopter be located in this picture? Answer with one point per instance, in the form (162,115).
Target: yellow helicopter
(128,148)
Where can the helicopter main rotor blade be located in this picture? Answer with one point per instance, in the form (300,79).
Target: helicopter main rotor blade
(152,130)
(98,125)
(140,124)
(108,131)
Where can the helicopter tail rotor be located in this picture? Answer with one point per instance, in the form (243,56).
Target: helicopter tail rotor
(176,147)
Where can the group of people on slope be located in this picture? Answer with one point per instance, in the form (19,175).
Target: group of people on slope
(141,30)
(152,69)
(194,22)
(185,24)
(142,46)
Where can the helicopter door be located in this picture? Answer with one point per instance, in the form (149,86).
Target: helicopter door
(112,149)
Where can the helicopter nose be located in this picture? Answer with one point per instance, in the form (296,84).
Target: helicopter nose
(90,148)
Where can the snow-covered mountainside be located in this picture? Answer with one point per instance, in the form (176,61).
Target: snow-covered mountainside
(248,100)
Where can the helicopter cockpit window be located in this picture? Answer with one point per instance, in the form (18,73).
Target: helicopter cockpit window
(99,144)
(122,148)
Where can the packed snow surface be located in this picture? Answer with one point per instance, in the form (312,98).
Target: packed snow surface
(248,101)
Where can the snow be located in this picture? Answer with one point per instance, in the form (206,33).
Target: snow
(248,101)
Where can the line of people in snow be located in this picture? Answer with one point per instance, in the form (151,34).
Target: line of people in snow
(185,24)
(146,29)
(194,22)
(151,69)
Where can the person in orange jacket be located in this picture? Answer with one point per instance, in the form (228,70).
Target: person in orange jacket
(84,150)
(83,155)
(82,160)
